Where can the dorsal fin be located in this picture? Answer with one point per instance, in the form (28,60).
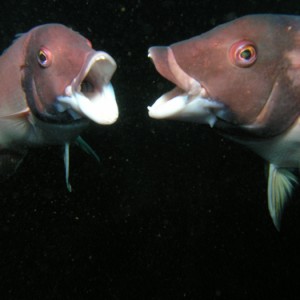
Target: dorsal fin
(280,186)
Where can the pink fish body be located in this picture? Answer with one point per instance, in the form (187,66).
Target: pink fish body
(242,78)
(52,83)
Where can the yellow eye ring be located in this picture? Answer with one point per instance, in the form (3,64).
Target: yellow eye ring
(44,57)
(243,53)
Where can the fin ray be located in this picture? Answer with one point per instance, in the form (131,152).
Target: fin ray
(86,148)
(67,166)
(280,186)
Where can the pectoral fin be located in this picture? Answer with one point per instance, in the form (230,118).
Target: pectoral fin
(85,147)
(67,165)
(280,186)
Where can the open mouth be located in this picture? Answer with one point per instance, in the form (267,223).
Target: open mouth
(91,94)
(189,100)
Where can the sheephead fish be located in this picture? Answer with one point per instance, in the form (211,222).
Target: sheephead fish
(52,83)
(243,79)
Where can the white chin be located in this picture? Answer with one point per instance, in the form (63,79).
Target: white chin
(179,105)
(101,108)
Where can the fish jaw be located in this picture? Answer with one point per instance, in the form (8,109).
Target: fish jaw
(189,100)
(90,93)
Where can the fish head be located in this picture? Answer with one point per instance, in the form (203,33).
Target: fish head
(65,79)
(241,76)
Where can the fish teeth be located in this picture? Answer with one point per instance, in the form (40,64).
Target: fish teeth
(68,91)
(197,90)
(203,93)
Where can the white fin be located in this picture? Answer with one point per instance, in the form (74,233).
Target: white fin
(85,147)
(280,186)
(67,166)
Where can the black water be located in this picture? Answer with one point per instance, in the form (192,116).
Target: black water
(173,211)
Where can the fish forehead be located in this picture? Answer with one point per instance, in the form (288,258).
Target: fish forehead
(57,37)
(68,53)
(264,30)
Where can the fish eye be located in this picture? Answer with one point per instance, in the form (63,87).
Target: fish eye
(243,54)
(44,57)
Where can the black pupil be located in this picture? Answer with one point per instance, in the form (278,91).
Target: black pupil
(246,54)
(43,58)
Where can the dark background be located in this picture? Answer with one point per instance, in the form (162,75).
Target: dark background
(173,211)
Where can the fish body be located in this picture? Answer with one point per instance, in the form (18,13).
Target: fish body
(243,79)
(52,84)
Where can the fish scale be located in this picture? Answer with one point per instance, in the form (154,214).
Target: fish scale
(49,63)
(250,82)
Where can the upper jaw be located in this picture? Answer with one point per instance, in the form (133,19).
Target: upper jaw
(189,100)
(90,93)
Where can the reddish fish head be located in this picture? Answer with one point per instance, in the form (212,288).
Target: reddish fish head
(241,75)
(66,79)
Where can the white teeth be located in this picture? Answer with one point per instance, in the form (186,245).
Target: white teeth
(203,93)
(101,108)
(68,91)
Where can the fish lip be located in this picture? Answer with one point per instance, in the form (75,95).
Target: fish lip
(179,104)
(189,100)
(166,64)
(90,93)
(106,70)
